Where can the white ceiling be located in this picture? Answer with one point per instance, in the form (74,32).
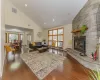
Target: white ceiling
(43,11)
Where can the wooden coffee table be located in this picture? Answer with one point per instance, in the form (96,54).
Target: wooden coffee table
(43,49)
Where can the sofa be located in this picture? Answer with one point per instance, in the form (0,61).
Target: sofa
(37,45)
(32,47)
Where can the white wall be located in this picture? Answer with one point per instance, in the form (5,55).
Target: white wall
(67,35)
(45,34)
(2,36)
(19,19)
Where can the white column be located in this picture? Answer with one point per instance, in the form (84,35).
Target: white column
(24,39)
(2,36)
(32,35)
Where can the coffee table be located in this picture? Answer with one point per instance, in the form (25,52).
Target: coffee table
(43,49)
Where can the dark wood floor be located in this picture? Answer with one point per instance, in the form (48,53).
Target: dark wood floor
(70,70)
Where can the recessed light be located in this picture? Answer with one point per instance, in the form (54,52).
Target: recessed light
(53,20)
(25,5)
(44,23)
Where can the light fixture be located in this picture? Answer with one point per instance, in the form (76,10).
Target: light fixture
(44,23)
(25,5)
(53,20)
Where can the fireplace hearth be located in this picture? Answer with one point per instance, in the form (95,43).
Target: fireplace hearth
(80,44)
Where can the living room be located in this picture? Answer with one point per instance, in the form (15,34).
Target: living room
(45,41)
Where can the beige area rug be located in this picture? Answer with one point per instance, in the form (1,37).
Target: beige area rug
(42,64)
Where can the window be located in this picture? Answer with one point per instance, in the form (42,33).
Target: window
(10,37)
(54,32)
(50,38)
(13,37)
(60,31)
(57,36)
(50,32)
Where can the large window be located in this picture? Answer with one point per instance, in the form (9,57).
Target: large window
(13,37)
(57,36)
(10,37)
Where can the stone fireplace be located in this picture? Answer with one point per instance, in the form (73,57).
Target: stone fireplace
(86,43)
(89,15)
(80,44)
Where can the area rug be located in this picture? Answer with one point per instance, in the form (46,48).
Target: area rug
(42,64)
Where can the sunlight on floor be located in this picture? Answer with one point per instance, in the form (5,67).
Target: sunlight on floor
(15,65)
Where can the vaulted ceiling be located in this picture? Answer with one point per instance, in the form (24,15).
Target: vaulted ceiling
(50,13)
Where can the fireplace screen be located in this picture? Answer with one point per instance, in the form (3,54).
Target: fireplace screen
(80,44)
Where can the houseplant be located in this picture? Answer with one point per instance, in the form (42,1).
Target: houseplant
(94,75)
(83,29)
(44,41)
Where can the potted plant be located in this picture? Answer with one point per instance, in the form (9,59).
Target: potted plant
(44,41)
(94,75)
